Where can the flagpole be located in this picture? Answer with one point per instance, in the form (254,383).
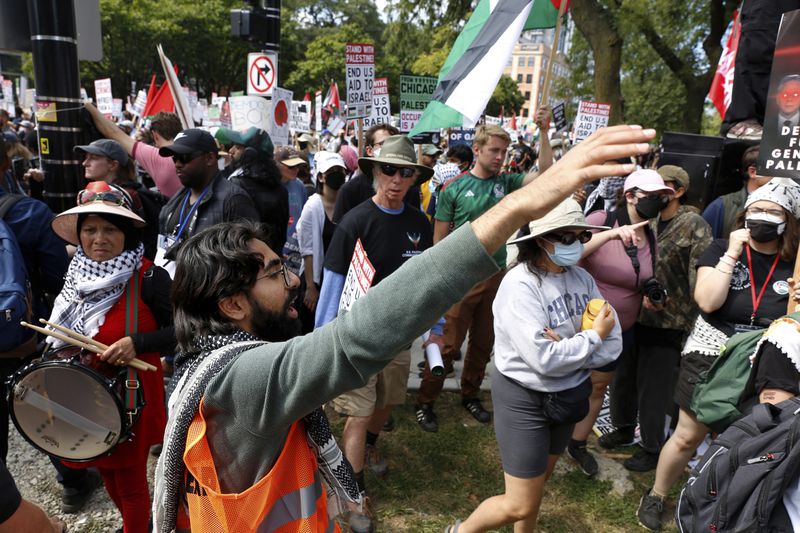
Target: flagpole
(562,8)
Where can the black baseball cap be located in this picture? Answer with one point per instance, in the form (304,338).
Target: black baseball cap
(189,141)
(106,148)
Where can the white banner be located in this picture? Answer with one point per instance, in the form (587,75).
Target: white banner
(102,92)
(300,119)
(248,111)
(381,112)
(318,112)
(360,70)
(591,117)
(281,108)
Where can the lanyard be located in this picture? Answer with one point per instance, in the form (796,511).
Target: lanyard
(182,221)
(757,301)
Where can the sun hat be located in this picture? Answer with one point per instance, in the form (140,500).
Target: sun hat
(289,156)
(431,150)
(674,173)
(396,150)
(324,161)
(646,180)
(99,198)
(106,148)
(567,215)
(782,191)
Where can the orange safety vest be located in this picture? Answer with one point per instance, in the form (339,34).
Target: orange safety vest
(289,498)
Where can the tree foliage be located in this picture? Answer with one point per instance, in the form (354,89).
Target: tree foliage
(506,98)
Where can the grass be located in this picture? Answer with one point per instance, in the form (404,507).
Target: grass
(436,478)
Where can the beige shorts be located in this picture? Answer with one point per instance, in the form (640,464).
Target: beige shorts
(388,387)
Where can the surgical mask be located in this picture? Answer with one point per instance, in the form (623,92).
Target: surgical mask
(376,151)
(649,206)
(335,180)
(566,254)
(764,227)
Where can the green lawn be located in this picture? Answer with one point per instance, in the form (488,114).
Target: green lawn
(435,478)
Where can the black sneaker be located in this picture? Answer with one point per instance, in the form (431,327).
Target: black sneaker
(586,461)
(74,499)
(649,512)
(477,411)
(642,461)
(426,417)
(617,438)
(388,426)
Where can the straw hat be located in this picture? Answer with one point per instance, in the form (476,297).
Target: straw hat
(101,199)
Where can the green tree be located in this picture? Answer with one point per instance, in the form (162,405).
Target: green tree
(506,96)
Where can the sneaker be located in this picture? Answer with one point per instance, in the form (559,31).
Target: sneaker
(388,426)
(375,462)
(649,512)
(748,129)
(361,521)
(617,438)
(426,418)
(74,499)
(586,461)
(477,411)
(642,461)
(453,528)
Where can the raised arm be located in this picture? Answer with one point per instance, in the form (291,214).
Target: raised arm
(109,130)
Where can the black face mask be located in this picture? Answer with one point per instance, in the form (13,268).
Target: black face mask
(335,180)
(649,206)
(761,230)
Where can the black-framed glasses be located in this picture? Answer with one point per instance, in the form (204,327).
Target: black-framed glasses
(186,158)
(569,238)
(391,170)
(274,274)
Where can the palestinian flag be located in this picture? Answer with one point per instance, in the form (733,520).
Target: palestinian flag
(332,103)
(479,55)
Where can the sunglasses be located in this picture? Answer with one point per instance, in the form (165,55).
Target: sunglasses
(86,197)
(391,170)
(186,158)
(569,238)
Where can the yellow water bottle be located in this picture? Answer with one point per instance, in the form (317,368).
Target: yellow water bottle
(591,312)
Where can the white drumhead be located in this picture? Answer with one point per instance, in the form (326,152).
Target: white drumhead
(66,411)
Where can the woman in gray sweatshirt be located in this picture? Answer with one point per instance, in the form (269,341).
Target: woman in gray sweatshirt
(544,361)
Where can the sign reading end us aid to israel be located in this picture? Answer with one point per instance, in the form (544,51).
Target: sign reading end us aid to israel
(381,112)
(415,93)
(591,117)
(360,69)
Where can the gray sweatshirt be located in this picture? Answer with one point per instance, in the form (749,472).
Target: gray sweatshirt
(250,406)
(527,303)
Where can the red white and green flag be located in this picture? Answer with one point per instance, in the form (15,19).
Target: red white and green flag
(475,64)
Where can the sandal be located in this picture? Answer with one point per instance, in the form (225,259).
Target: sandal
(453,528)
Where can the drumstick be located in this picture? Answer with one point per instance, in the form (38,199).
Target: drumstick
(135,363)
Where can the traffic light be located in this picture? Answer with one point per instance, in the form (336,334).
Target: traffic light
(260,23)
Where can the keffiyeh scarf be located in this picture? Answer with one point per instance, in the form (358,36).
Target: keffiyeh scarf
(91,288)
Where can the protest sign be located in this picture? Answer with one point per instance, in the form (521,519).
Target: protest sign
(496,121)
(415,93)
(381,112)
(591,117)
(249,111)
(281,107)
(560,116)
(102,93)
(318,111)
(359,278)
(360,70)
(300,118)
(780,143)
(461,136)
(116,105)
(140,102)
(8,92)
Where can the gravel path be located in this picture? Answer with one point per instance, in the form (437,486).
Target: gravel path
(36,480)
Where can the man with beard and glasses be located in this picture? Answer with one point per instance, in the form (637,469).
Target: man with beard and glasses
(206,198)
(236,456)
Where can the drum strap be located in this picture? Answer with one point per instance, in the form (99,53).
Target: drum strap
(133,395)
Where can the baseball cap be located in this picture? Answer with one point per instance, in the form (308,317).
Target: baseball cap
(188,141)
(325,161)
(674,173)
(288,156)
(106,148)
(430,149)
(567,215)
(251,138)
(646,180)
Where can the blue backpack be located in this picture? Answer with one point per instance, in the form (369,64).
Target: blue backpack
(15,291)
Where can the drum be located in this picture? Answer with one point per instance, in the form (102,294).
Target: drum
(69,404)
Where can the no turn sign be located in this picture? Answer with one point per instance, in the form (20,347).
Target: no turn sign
(262,73)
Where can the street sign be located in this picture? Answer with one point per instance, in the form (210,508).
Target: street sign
(415,93)
(262,73)
(381,112)
(360,70)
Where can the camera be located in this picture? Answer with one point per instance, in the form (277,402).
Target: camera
(655,291)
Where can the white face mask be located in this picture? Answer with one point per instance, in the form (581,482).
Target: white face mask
(221,163)
(376,152)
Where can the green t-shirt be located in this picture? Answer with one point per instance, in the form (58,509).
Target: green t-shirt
(467,197)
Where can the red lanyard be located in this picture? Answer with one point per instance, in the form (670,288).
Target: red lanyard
(757,301)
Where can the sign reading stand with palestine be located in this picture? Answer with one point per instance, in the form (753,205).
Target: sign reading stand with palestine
(415,93)
(360,69)
(780,142)
(591,117)
(359,278)
(381,112)
(105,102)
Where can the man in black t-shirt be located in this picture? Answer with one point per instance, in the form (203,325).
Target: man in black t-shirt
(390,232)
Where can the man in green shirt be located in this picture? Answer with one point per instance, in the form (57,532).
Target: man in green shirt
(463,200)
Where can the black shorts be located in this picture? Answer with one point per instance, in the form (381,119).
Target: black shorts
(692,365)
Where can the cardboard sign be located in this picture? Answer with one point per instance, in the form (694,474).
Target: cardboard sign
(248,111)
(461,136)
(318,111)
(281,108)
(102,92)
(560,116)
(591,117)
(381,112)
(360,70)
(415,93)
(780,144)
(300,118)
(359,278)
(262,73)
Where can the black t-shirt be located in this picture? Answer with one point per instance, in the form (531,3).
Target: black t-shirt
(10,498)
(359,189)
(774,370)
(739,304)
(389,240)
(328,228)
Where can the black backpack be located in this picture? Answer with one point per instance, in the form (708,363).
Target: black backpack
(738,484)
